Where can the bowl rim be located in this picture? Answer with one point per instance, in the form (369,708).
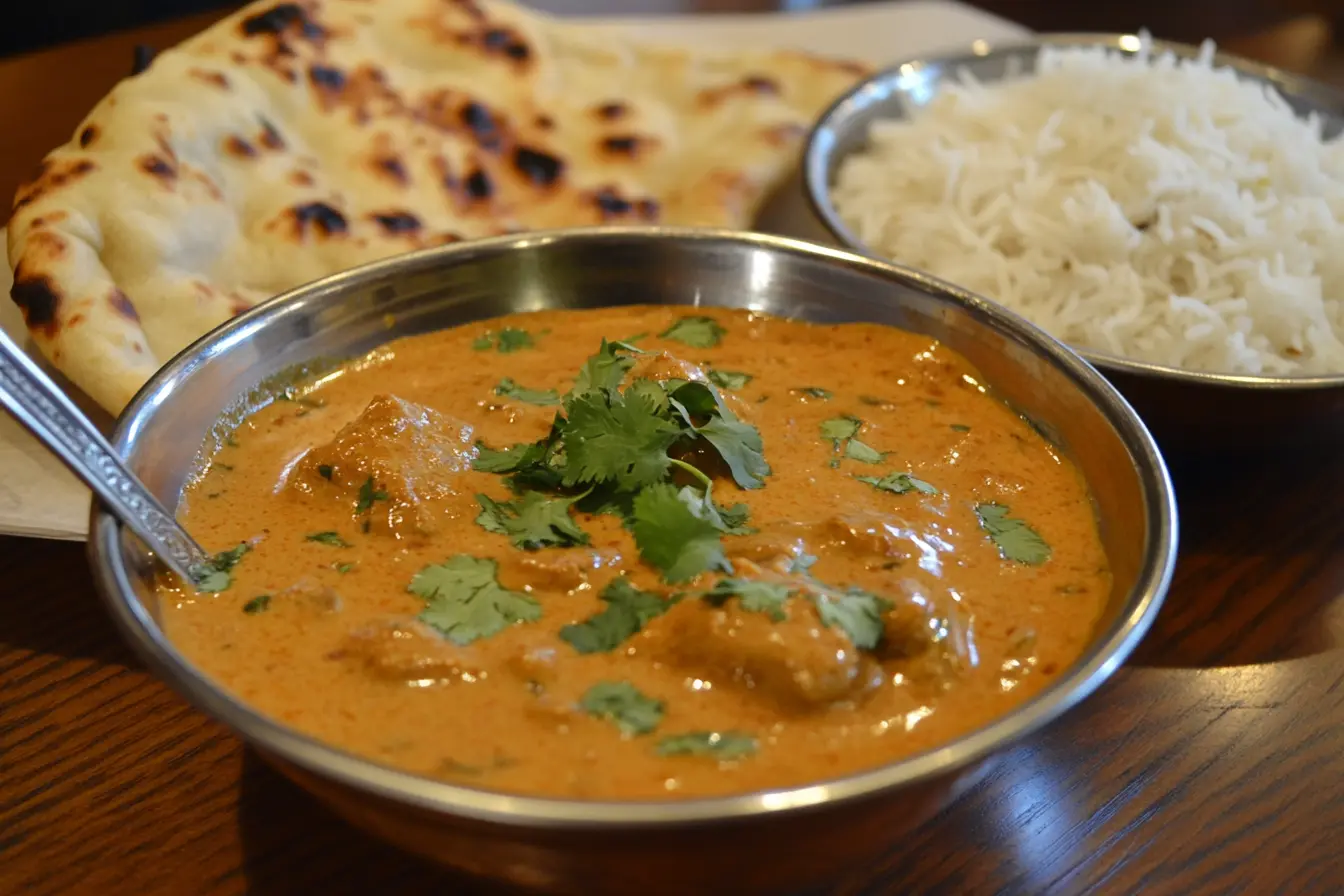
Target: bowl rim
(817,153)
(369,777)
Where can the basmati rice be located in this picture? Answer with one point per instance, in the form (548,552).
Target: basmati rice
(1160,209)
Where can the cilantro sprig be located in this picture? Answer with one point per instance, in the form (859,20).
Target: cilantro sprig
(628,609)
(898,484)
(1016,540)
(697,331)
(509,339)
(723,745)
(533,521)
(616,448)
(464,601)
(623,704)
(508,388)
(842,433)
(215,575)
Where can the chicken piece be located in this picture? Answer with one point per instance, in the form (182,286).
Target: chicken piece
(407,650)
(797,663)
(393,465)
(932,642)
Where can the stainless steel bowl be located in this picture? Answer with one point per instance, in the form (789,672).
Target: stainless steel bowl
(1186,410)
(751,843)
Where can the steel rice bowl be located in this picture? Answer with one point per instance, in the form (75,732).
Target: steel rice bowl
(1186,410)
(810,834)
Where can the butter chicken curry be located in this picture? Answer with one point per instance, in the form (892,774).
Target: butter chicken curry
(640,552)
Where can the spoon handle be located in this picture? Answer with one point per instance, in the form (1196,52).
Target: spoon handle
(42,408)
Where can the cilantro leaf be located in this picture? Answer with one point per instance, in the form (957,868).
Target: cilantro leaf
(759,597)
(672,538)
(368,493)
(464,601)
(507,460)
(960,427)
(729,520)
(649,392)
(729,379)
(1016,540)
(506,340)
(343,568)
(740,446)
(856,450)
(627,611)
(899,484)
(623,703)
(213,576)
(326,471)
(837,429)
(722,745)
(541,397)
(259,604)
(697,331)
(606,369)
(611,437)
(814,392)
(533,521)
(856,612)
(331,539)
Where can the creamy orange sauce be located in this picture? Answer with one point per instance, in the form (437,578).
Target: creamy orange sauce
(335,648)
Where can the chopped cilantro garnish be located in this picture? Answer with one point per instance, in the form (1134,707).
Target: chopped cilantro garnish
(507,340)
(856,450)
(729,379)
(627,610)
(759,597)
(506,460)
(623,703)
(874,401)
(672,538)
(214,576)
(368,493)
(697,332)
(611,437)
(723,745)
(728,520)
(1016,540)
(856,612)
(960,427)
(332,539)
(740,446)
(815,392)
(343,568)
(837,429)
(325,471)
(607,368)
(465,602)
(259,604)
(899,484)
(541,397)
(533,521)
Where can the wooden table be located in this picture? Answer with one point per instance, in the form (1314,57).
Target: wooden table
(1211,764)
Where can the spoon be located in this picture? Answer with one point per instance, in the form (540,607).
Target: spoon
(44,410)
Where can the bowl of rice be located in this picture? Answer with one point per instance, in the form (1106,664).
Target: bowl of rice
(1173,214)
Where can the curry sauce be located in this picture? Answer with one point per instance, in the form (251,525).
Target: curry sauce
(640,552)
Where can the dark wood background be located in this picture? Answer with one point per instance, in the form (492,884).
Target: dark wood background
(1210,764)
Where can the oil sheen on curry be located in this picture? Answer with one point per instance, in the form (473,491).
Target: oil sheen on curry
(640,552)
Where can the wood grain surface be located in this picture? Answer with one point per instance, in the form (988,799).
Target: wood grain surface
(1211,764)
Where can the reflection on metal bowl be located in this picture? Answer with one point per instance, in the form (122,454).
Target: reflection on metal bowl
(1186,410)
(748,843)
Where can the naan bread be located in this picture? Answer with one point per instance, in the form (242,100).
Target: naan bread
(293,140)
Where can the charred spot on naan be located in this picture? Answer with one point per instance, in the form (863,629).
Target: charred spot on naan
(238,148)
(538,167)
(628,146)
(213,78)
(315,217)
(270,137)
(87,135)
(121,303)
(611,206)
(751,85)
(611,111)
(39,301)
(397,223)
(283,20)
(389,166)
(52,175)
(158,167)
